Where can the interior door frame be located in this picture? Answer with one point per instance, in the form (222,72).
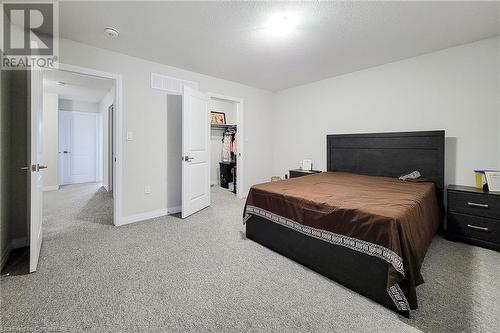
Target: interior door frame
(118,134)
(111,140)
(240,158)
(98,144)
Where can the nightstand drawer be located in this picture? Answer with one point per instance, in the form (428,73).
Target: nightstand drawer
(474,227)
(474,204)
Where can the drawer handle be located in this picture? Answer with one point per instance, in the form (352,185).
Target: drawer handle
(473,204)
(477,227)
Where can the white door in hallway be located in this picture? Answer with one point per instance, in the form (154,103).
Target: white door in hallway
(195,152)
(77,147)
(35,166)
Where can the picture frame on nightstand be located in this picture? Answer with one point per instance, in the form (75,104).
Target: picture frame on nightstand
(306,165)
(493,180)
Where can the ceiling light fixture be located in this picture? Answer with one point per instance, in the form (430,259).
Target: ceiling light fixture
(282,24)
(111,32)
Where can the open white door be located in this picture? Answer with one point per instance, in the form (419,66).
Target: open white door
(35,159)
(195,152)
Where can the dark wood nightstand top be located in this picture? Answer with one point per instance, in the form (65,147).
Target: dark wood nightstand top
(305,171)
(470,189)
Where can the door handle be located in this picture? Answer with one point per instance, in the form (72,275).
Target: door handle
(66,152)
(34,167)
(187,158)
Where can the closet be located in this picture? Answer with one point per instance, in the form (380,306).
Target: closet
(223,164)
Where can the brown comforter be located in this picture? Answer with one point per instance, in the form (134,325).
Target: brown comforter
(383,217)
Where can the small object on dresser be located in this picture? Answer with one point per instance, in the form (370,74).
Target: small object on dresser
(493,180)
(473,216)
(306,165)
(480,178)
(299,172)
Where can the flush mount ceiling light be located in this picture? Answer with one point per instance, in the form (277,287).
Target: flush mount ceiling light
(282,24)
(111,32)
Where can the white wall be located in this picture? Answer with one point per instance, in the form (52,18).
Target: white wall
(145,159)
(456,89)
(50,141)
(104,105)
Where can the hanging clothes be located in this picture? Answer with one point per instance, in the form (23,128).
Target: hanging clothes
(229,145)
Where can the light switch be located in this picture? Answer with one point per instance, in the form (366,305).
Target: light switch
(130,136)
(147,189)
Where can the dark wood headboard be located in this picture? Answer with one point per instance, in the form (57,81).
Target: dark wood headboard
(388,154)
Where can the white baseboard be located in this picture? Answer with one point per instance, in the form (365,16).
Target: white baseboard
(174,210)
(143,216)
(51,188)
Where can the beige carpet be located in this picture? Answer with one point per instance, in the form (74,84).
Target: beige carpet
(202,275)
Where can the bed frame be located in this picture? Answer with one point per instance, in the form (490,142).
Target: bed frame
(374,154)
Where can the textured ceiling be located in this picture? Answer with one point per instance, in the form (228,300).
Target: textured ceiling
(229,40)
(76,87)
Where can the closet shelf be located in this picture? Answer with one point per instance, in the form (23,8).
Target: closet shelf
(222,126)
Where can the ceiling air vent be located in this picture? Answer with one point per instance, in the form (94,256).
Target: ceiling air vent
(170,84)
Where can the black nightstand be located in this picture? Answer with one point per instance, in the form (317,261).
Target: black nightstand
(473,216)
(299,172)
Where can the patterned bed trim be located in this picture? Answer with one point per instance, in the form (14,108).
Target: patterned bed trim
(365,247)
(398,297)
(354,244)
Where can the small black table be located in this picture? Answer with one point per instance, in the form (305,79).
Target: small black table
(473,216)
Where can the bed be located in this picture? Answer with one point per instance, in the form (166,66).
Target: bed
(357,223)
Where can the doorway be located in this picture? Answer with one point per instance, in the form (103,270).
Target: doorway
(226,141)
(190,136)
(42,153)
(78,132)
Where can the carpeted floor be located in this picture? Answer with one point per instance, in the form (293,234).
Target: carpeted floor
(201,274)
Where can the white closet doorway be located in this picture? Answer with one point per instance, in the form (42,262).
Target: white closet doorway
(226,143)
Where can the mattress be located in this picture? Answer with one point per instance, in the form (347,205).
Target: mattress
(378,216)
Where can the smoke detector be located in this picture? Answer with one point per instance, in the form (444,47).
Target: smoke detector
(111,32)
